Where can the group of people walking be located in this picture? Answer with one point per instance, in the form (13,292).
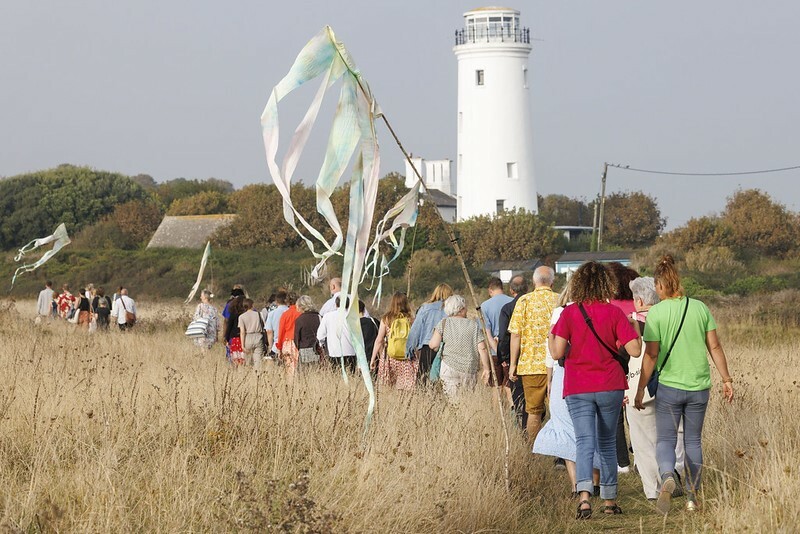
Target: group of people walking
(592,357)
(90,309)
(617,346)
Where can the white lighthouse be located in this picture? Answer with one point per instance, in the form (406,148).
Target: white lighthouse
(494,167)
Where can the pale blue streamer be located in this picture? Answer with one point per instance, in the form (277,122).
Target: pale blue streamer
(59,238)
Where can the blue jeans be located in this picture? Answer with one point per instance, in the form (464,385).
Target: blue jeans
(672,404)
(594,416)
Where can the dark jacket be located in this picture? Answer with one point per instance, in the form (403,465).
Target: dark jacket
(305,330)
(504,340)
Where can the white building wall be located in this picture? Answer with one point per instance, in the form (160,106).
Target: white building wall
(437,176)
(495,131)
(411,177)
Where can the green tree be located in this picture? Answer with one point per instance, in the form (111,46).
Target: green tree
(129,226)
(632,220)
(259,221)
(758,223)
(705,231)
(32,205)
(203,203)
(562,210)
(514,235)
(177,188)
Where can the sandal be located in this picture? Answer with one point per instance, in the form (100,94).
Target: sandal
(584,513)
(612,510)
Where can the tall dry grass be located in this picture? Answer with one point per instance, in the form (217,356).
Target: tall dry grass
(140,432)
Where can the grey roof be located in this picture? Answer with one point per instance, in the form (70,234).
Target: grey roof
(610,255)
(188,231)
(442,200)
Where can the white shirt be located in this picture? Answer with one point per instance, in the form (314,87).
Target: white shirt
(118,311)
(330,305)
(44,304)
(333,332)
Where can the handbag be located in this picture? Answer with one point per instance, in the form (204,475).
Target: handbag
(73,315)
(130,317)
(621,355)
(264,340)
(198,328)
(436,365)
(652,384)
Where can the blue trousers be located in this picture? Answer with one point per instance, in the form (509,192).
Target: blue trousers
(672,405)
(594,416)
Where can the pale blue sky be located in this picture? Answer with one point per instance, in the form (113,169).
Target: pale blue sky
(175,87)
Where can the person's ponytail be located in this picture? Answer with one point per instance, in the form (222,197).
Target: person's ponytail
(667,275)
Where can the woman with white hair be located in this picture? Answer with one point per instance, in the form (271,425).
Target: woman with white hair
(642,423)
(464,350)
(305,332)
(206,310)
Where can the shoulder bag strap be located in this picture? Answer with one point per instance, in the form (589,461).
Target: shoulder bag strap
(591,327)
(441,345)
(122,300)
(675,339)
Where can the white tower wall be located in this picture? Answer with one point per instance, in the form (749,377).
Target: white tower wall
(494,166)
(411,176)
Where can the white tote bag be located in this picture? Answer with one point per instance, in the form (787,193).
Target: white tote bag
(197,328)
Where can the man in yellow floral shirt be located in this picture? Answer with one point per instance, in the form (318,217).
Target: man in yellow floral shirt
(529,326)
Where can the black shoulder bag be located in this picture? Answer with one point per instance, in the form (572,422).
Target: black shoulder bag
(652,384)
(620,355)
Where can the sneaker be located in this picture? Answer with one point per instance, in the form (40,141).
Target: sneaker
(664,500)
(623,470)
(692,505)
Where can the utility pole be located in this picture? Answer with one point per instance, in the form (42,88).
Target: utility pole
(593,246)
(602,207)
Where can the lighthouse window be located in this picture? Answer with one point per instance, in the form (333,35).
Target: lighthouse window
(479,77)
(501,206)
(511,170)
(525,77)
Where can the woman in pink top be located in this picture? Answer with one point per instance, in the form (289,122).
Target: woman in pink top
(594,382)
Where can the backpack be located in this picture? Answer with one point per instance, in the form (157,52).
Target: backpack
(398,335)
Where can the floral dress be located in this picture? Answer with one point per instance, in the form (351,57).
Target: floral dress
(207,311)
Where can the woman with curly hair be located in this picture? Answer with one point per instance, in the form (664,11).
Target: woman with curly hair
(684,378)
(594,380)
(395,368)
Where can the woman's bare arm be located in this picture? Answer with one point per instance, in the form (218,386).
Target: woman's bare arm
(721,363)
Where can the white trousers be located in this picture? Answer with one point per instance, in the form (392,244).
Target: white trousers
(453,381)
(642,426)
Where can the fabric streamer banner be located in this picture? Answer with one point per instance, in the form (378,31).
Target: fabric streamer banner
(203,262)
(403,215)
(60,239)
(352,134)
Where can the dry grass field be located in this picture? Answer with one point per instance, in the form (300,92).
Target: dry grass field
(140,432)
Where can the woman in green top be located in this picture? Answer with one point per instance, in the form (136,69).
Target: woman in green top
(684,380)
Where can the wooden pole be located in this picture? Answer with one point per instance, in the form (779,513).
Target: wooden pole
(457,249)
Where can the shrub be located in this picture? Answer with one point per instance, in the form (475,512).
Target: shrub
(713,260)
(758,223)
(203,203)
(513,235)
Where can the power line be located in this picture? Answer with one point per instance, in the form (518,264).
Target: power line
(742,173)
